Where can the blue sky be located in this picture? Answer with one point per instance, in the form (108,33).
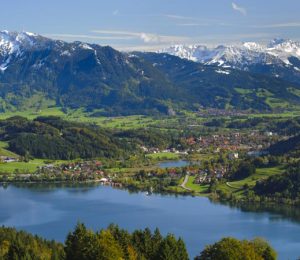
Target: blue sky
(152,24)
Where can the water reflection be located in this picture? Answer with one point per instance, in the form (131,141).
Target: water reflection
(51,187)
(278,212)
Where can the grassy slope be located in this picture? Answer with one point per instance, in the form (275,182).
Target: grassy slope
(261,173)
(5,152)
(196,187)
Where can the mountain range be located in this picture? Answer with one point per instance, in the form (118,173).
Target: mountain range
(279,58)
(36,71)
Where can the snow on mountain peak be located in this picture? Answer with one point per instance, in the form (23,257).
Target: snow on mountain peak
(278,50)
(12,45)
(275,42)
(13,42)
(253,46)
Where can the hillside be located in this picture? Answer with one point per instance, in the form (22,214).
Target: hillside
(281,187)
(53,138)
(212,86)
(290,146)
(37,72)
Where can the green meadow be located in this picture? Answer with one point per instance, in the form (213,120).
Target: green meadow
(260,174)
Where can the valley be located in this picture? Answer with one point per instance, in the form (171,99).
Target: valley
(216,146)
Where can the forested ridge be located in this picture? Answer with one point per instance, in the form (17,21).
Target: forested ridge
(54,138)
(284,186)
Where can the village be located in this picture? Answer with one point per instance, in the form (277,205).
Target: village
(222,149)
(252,144)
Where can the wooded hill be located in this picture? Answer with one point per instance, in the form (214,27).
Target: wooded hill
(54,138)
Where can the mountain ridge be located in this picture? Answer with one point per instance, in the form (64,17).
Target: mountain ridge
(102,79)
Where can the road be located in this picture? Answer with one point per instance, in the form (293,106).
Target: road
(229,185)
(186,178)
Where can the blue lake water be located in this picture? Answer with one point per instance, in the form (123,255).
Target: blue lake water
(173,164)
(52,211)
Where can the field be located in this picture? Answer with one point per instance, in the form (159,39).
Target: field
(188,120)
(163,156)
(196,187)
(21,167)
(33,113)
(25,167)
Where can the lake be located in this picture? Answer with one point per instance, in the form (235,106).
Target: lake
(173,164)
(53,210)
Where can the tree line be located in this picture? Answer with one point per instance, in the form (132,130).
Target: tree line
(115,243)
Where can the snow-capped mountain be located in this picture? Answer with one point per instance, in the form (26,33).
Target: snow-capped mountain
(11,42)
(278,52)
(14,45)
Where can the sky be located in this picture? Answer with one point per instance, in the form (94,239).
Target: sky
(154,24)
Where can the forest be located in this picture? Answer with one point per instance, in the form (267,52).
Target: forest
(54,138)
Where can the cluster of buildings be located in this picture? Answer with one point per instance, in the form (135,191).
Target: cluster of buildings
(233,141)
(87,168)
(205,176)
(211,112)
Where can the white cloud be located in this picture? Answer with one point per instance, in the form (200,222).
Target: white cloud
(239,9)
(149,37)
(278,25)
(192,24)
(180,17)
(145,37)
(140,47)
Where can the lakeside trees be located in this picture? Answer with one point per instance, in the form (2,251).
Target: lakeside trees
(115,243)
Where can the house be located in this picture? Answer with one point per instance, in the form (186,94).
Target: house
(269,134)
(233,156)
(104,180)
(9,159)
